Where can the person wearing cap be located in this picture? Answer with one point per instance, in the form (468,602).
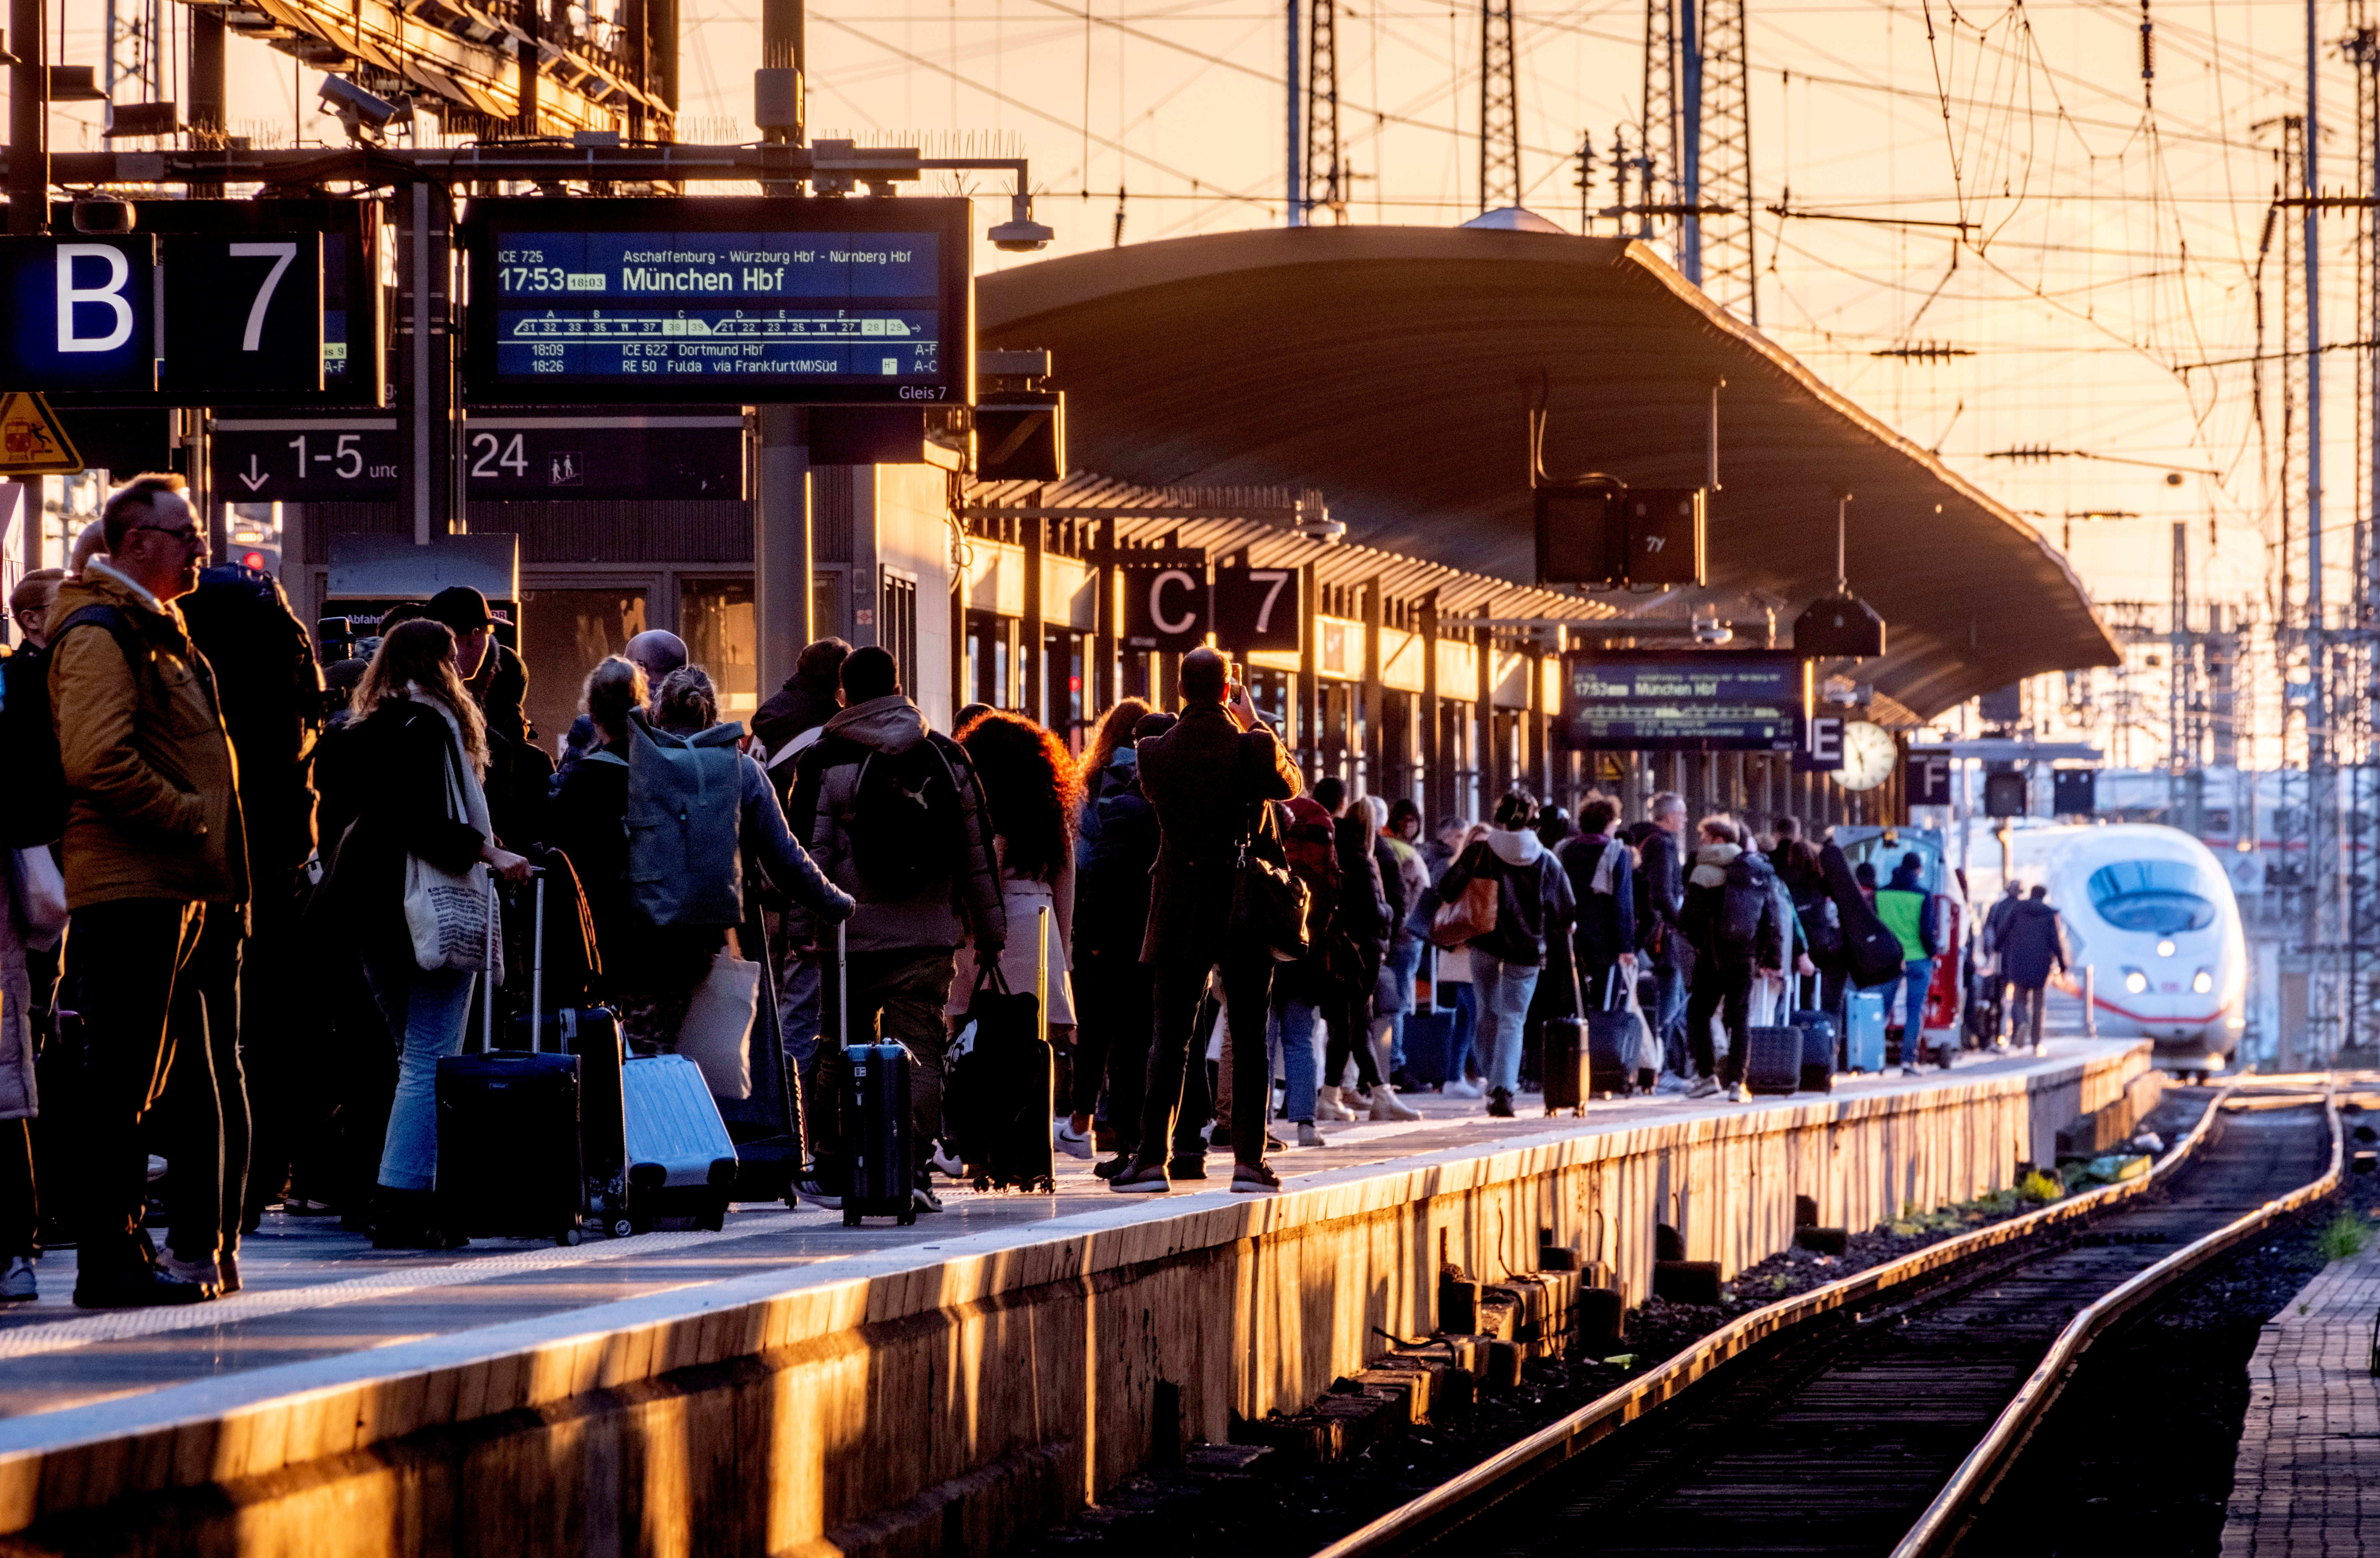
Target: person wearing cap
(520,773)
(492,672)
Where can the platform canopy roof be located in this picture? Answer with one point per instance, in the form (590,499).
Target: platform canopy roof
(1392,368)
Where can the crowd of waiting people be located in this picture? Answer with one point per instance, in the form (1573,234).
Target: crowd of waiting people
(215,997)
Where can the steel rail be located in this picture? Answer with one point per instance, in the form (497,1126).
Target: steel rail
(1451,1502)
(1944,1519)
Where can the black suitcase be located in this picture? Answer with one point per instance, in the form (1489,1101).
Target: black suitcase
(1772,1061)
(1001,1076)
(1563,1069)
(508,1145)
(880,1179)
(1820,1036)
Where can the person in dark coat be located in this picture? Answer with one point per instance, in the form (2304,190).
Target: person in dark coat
(1111,919)
(786,726)
(1602,872)
(1367,920)
(492,673)
(1661,903)
(2032,942)
(1996,925)
(1304,987)
(805,703)
(1207,779)
(1730,917)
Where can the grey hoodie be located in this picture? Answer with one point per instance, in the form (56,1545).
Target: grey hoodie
(943,913)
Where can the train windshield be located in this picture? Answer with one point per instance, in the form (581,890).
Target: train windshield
(2156,895)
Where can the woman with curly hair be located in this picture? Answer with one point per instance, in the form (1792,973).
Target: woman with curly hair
(1029,785)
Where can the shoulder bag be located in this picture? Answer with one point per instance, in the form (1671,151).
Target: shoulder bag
(1469,913)
(450,915)
(1270,906)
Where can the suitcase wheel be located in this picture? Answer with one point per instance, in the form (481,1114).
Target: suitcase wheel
(713,1220)
(850,1218)
(620,1227)
(982,1182)
(1049,1184)
(569,1237)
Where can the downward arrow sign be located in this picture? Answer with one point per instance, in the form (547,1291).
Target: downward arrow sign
(254,478)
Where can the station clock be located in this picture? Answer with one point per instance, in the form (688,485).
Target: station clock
(1869,752)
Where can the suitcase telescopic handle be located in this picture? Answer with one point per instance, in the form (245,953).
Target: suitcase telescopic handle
(537,966)
(842,986)
(488,975)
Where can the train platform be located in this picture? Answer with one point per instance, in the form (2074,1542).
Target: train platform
(1024,1326)
(2306,1483)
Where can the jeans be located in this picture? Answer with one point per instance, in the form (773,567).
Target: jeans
(801,985)
(1466,1028)
(1504,991)
(426,1012)
(1405,962)
(1290,1032)
(1916,977)
(1179,984)
(130,969)
(1670,1016)
(206,1177)
(2026,1012)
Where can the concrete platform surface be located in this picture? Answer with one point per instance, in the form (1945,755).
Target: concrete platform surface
(2306,1482)
(792,1386)
(314,1291)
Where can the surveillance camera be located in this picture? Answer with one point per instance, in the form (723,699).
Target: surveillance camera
(1020,233)
(365,115)
(1710,630)
(103,214)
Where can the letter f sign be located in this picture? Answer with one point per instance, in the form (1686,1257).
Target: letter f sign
(108,294)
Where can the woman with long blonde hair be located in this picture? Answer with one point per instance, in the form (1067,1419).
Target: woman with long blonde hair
(421,751)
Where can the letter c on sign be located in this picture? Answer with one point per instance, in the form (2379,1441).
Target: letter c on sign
(109,295)
(1188,620)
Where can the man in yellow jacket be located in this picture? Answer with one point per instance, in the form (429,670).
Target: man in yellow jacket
(156,869)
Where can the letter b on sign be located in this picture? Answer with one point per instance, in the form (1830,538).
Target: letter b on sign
(79,314)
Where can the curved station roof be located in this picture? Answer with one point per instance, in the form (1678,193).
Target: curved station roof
(1393,367)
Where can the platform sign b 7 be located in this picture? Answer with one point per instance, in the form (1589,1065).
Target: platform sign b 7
(80,313)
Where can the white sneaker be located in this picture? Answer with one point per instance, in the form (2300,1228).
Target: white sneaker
(1670,1082)
(1387,1105)
(1703,1087)
(1073,1143)
(1911,1071)
(1460,1089)
(945,1164)
(1310,1137)
(1327,1105)
(16,1283)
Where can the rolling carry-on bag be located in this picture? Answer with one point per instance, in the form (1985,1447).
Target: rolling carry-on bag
(508,1141)
(1611,1045)
(1562,1069)
(1820,1036)
(681,1161)
(1000,1082)
(1863,1030)
(880,1178)
(1772,1061)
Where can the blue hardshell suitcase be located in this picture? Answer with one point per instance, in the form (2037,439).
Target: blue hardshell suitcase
(681,1160)
(877,1154)
(1863,1030)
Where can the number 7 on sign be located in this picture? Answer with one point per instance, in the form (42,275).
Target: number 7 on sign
(281,254)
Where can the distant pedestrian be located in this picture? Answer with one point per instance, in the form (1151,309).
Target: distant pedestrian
(419,750)
(1450,976)
(1533,905)
(1112,912)
(1994,948)
(1915,916)
(1361,931)
(28,603)
(1302,987)
(1407,880)
(1208,777)
(894,815)
(518,779)
(1730,917)
(1660,931)
(2032,946)
(1602,871)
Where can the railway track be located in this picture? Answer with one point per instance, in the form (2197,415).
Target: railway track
(1874,1417)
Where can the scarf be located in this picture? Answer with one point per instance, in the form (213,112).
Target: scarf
(1711,862)
(467,800)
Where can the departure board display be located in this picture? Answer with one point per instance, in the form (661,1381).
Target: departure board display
(1661,700)
(734,300)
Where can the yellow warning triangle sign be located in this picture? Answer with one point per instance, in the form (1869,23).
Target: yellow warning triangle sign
(31,442)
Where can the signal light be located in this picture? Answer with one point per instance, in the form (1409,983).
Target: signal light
(252,559)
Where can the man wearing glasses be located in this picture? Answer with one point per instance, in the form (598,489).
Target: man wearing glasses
(156,869)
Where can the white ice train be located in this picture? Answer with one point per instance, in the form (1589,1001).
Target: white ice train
(2152,911)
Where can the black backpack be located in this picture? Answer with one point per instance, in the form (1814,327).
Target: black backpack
(906,827)
(1741,902)
(37,774)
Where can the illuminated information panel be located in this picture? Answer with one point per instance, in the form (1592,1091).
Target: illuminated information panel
(720,299)
(1664,700)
